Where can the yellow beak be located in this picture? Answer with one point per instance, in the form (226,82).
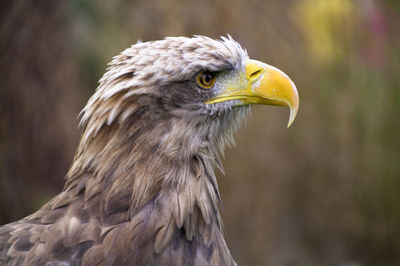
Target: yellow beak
(263,84)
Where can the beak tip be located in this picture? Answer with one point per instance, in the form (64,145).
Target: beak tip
(293,113)
(290,123)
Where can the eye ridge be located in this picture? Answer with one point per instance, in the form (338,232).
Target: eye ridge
(206,79)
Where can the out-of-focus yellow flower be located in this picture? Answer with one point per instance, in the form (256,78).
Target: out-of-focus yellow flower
(326,25)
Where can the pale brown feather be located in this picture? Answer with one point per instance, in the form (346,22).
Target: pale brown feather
(141,189)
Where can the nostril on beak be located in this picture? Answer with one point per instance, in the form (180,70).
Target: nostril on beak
(255,74)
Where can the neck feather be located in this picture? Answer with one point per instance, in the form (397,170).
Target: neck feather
(122,166)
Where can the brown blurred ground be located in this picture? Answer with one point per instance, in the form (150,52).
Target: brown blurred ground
(324,192)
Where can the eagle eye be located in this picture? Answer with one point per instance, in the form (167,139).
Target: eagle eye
(206,79)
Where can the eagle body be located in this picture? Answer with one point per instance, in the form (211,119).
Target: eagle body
(141,189)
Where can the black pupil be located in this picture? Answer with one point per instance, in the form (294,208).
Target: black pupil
(207,77)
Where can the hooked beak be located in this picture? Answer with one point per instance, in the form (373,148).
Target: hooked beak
(264,84)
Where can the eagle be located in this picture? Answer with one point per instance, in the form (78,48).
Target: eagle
(141,189)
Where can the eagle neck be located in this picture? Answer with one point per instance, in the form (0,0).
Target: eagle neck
(163,162)
(155,171)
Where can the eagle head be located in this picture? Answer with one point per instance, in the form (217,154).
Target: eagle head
(192,93)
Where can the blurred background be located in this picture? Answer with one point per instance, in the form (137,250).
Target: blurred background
(324,192)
